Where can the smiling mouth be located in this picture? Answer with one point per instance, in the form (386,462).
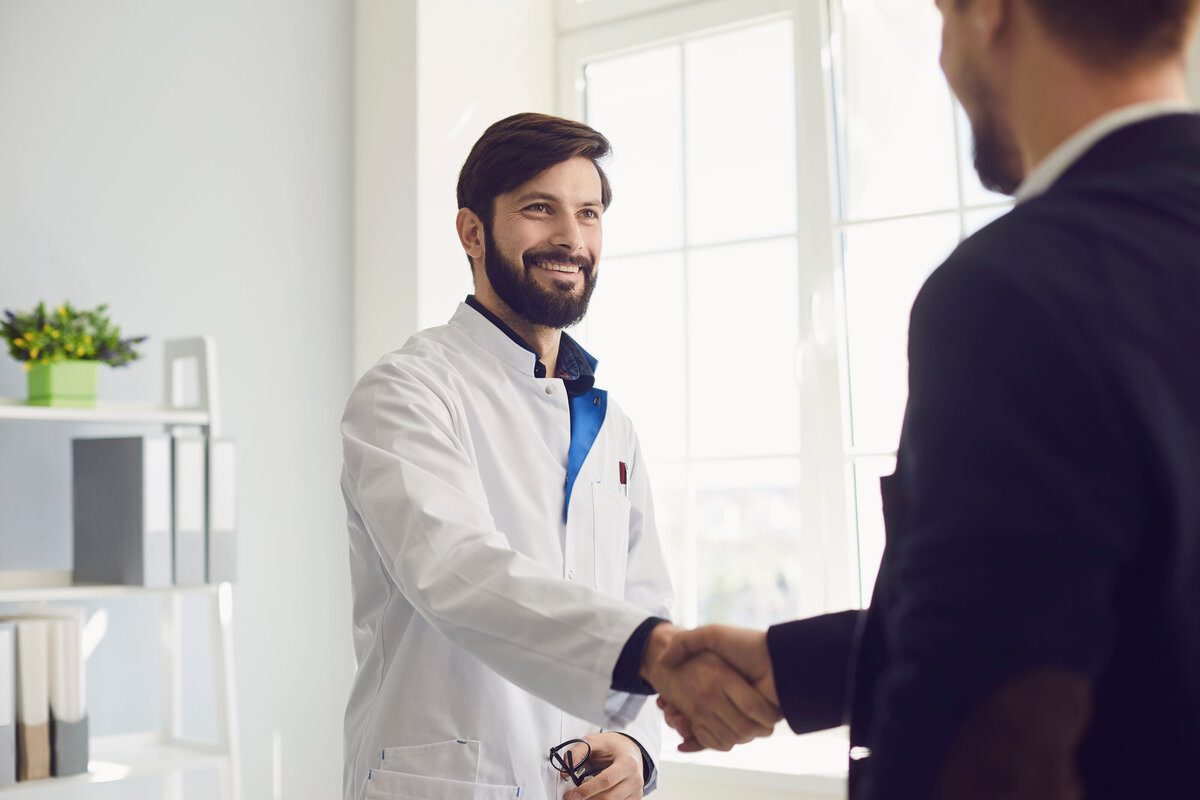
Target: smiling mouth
(562,269)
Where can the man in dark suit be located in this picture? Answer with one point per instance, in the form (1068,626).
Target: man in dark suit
(1035,628)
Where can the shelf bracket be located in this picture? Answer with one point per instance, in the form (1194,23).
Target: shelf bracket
(200,354)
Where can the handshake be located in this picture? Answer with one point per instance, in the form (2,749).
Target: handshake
(715,684)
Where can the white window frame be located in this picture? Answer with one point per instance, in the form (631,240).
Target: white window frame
(826,505)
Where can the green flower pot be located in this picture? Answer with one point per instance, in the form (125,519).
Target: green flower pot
(65,384)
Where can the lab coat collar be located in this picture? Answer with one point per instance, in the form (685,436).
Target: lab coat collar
(491,338)
(490,333)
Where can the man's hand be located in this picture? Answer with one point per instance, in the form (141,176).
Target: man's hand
(744,650)
(714,704)
(622,762)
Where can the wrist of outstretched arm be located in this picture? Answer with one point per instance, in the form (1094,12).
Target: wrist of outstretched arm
(642,758)
(660,639)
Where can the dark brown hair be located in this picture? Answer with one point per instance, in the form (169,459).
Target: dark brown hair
(1119,33)
(519,148)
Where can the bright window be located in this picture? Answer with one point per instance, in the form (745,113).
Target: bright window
(786,175)
(907,194)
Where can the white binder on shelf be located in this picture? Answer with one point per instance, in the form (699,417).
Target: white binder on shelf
(189,470)
(66,681)
(222,511)
(33,699)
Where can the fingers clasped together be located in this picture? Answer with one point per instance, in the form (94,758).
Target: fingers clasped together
(717,689)
(715,684)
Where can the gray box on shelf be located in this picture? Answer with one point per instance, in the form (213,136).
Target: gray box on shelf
(122,510)
(68,747)
(222,511)
(188,480)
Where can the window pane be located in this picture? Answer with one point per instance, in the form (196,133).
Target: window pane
(741,134)
(743,327)
(635,329)
(885,264)
(634,100)
(747,522)
(973,192)
(869,506)
(896,115)
(668,484)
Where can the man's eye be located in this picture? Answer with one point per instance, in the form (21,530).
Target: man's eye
(540,208)
(591,213)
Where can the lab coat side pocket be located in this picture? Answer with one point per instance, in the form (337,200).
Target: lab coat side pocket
(610,512)
(387,785)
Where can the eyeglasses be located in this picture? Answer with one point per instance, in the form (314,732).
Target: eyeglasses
(565,762)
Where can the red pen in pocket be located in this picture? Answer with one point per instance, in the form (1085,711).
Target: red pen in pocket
(624,472)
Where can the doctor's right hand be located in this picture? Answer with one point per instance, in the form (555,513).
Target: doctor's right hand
(721,707)
(621,760)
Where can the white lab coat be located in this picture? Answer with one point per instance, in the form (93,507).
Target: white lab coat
(479,614)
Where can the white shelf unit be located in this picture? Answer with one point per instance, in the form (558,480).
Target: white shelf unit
(123,758)
(14,408)
(166,753)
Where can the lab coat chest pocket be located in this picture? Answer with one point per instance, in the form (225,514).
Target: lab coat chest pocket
(610,538)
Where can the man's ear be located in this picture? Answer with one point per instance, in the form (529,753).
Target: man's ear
(990,19)
(470,233)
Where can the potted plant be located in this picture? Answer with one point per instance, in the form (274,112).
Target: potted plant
(63,350)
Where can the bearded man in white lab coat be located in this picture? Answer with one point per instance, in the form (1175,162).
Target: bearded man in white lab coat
(506,569)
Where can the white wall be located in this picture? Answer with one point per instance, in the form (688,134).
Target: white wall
(477,63)
(190,164)
(385,174)
(440,71)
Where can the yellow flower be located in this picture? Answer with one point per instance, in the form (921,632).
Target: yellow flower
(33,353)
(19,342)
(55,334)
(62,311)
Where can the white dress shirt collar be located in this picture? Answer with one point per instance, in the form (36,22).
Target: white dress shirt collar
(1051,168)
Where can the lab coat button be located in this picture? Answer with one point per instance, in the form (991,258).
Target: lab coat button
(549,390)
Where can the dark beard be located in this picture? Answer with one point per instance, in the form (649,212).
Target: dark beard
(997,158)
(553,308)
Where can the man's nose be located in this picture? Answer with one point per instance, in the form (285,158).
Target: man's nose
(569,236)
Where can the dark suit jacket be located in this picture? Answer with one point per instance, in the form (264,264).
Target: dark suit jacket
(1035,627)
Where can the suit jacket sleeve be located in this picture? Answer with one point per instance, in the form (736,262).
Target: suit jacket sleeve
(811,662)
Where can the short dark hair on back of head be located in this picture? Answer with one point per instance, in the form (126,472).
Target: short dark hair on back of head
(1118,33)
(521,147)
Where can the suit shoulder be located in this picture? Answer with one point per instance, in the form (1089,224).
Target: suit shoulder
(1041,252)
